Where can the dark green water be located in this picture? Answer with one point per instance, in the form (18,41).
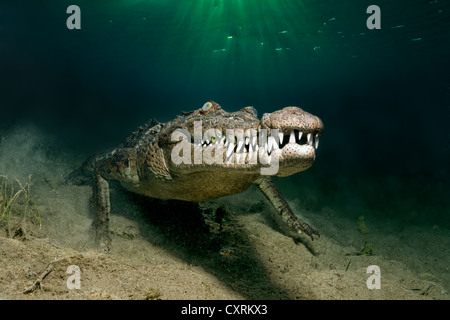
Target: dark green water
(383,95)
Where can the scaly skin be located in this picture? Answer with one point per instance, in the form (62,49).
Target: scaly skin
(144,162)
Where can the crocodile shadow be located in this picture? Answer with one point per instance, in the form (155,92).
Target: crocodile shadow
(207,235)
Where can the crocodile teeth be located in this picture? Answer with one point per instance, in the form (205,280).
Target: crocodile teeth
(292,137)
(247,140)
(281,135)
(310,140)
(300,134)
(240,145)
(254,138)
(270,144)
(230,149)
(275,145)
(316,145)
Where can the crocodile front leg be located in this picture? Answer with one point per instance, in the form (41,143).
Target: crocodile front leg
(102,209)
(270,190)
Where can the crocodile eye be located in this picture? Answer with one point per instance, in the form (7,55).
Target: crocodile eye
(207,106)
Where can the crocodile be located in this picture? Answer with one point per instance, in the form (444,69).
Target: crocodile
(206,154)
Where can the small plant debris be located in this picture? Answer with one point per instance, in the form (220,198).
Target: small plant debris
(366,250)
(17,206)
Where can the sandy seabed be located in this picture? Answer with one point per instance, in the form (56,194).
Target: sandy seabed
(176,250)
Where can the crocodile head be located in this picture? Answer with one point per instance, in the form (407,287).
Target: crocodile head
(238,143)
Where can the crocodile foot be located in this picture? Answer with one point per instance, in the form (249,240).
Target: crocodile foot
(270,190)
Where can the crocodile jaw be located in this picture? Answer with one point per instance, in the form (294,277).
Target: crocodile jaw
(298,137)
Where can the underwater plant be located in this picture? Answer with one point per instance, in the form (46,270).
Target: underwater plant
(17,205)
(366,250)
